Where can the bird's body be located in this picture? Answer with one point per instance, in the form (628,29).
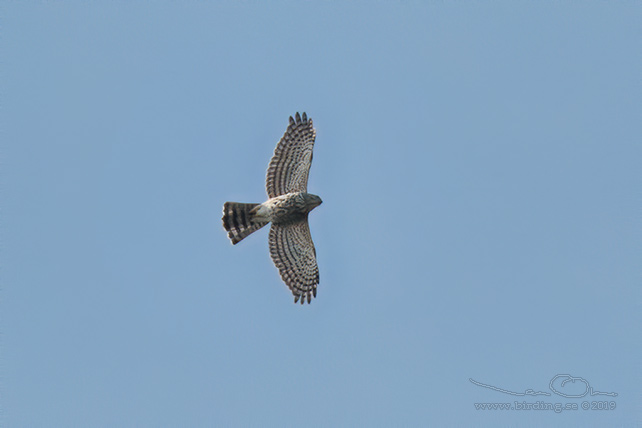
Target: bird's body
(287,208)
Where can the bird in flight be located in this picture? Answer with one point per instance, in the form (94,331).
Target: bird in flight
(287,208)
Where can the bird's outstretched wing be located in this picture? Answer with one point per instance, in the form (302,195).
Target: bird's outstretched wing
(293,253)
(290,165)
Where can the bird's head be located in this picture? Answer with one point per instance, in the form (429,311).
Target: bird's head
(312,201)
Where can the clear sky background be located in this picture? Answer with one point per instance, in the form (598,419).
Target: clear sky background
(479,164)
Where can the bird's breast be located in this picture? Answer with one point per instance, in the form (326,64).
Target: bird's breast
(283,209)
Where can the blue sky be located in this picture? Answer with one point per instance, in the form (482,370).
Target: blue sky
(479,166)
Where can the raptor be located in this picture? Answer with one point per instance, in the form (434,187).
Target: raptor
(287,208)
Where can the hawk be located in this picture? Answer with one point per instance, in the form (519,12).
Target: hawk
(287,208)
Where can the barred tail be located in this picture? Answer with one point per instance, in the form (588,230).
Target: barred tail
(237,220)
